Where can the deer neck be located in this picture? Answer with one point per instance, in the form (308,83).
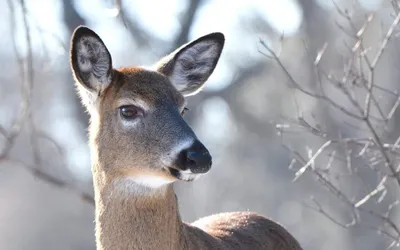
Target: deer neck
(129,220)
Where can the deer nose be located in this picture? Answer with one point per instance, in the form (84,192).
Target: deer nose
(199,158)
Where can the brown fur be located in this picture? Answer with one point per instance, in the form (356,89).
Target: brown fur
(131,216)
(154,223)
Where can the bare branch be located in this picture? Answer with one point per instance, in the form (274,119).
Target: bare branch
(322,211)
(186,23)
(311,161)
(380,187)
(23,112)
(301,89)
(42,175)
(24,116)
(384,44)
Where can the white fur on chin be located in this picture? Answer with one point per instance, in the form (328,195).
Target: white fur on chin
(187,175)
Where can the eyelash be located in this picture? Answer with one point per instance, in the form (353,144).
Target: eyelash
(138,111)
(130,112)
(184,110)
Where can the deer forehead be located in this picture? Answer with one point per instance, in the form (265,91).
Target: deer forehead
(142,87)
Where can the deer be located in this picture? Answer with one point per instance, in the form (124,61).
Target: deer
(140,145)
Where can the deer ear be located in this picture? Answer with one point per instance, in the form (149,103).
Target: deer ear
(90,60)
(189,67)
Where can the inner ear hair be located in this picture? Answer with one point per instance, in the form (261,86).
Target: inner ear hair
(90,60)
(190,66)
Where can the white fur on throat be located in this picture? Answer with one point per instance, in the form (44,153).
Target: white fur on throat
(151,181)
(140,185)
(148,184)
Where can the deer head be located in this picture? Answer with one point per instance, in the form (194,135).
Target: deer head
(136,113)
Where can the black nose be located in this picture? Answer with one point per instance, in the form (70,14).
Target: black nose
(198,158)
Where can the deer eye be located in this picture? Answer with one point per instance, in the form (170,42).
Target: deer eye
(183,111)
(130,111)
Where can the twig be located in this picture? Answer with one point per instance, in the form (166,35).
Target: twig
(311,161)
(301,89)
(380,187)
(42,175)
(375,62)
(21,117)
(25,114)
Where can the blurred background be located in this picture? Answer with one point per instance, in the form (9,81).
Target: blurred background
(45,178)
